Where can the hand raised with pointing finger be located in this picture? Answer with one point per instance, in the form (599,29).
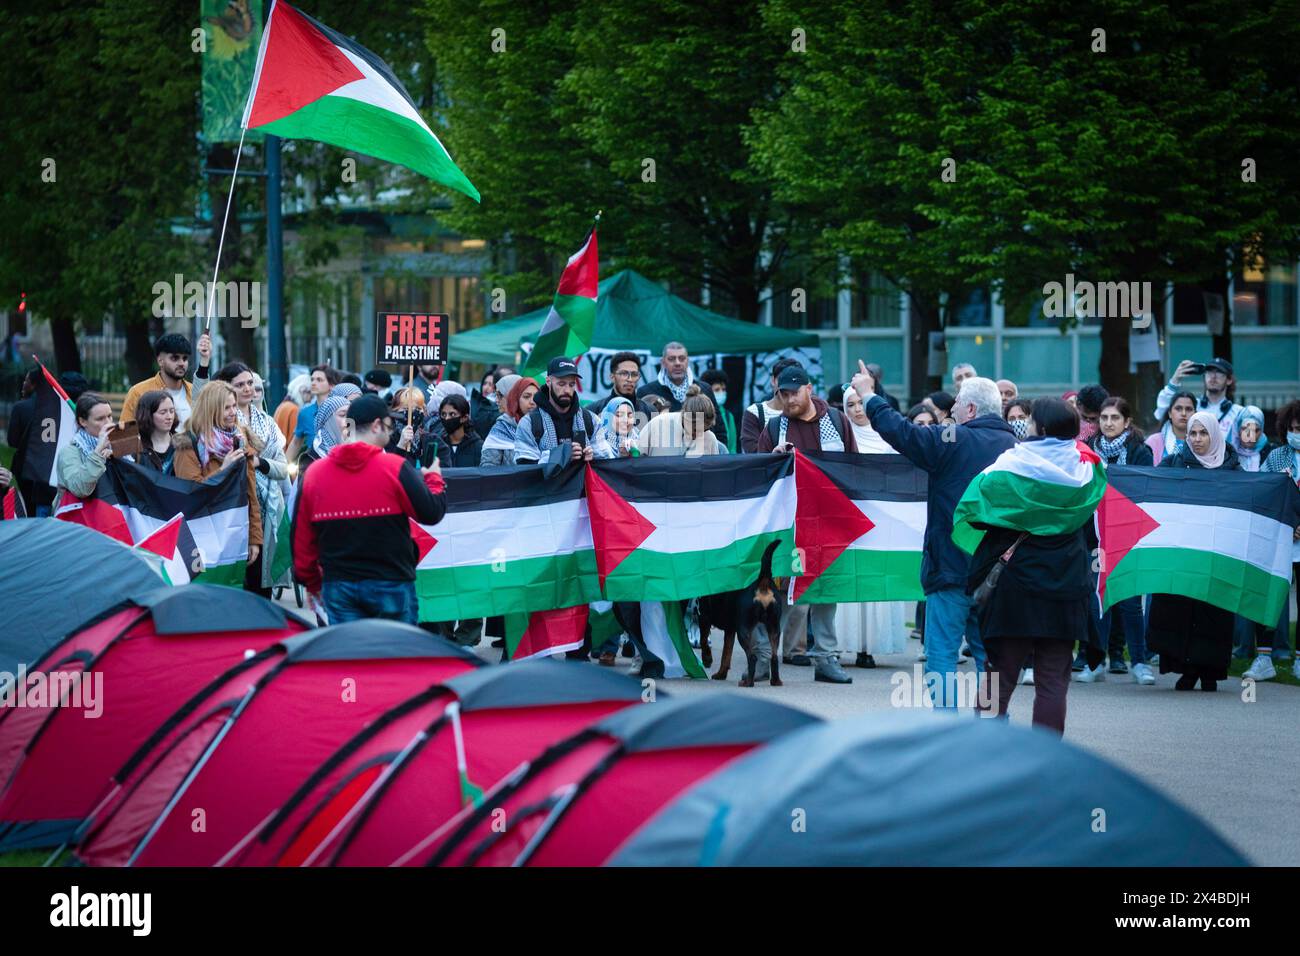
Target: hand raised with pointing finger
(864,383)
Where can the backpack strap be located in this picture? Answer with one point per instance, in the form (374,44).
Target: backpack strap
(773,427)
(535,422)
(840,423)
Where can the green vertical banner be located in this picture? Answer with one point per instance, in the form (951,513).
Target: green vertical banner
(232,31)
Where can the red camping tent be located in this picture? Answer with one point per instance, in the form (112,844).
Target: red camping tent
(252,740)
(398,780)
(137,665)
(577,803)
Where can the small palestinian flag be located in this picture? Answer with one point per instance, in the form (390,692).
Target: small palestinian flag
(663,629)
(859,528)
(1222,537)
(52,427)
(313,83)
(543,633)
(1047,486)
(570,324)
(511,542)
(171,542)
(668,529)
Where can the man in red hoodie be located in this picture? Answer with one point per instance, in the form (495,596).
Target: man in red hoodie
(352,542)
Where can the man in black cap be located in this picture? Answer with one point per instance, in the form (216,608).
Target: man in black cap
(1216,398)
(352,542)
(376,382)
(808,424)
(558,419)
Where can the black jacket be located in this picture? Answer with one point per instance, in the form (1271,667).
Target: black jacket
(465,455)
(1044,588)
(1187,459)
(1137,452)
(483,412)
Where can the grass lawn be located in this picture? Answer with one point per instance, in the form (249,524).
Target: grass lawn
(24,858)
(6,456)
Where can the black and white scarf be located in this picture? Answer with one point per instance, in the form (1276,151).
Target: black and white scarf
(679,391)
(1115,450)
(828,435)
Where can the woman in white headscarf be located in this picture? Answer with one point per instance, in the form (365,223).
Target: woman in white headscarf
(1194,639)
(874,627)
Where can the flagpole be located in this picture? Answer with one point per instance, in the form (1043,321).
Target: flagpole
(221,239)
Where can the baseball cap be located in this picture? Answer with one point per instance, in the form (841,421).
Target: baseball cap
(1222,365)
(366,409)
(561,367)
(792,377)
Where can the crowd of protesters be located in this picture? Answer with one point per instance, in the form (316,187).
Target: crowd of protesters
(358,456)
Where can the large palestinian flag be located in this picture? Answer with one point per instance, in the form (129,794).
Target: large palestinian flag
(131,503)
(859,529)
(1223,537)
(669,528)
(512,541)
(313,83)
(1048,486)
(53,423)
(571,322)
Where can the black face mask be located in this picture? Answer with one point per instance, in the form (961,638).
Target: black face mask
(451,424)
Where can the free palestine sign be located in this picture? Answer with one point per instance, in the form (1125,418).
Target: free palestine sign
(414,338)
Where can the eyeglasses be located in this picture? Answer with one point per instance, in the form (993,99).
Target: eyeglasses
(627,375)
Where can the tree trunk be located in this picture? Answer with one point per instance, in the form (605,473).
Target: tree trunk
(67,357)
(748,308)
(1221,345)
(1112,367)
(923,319)
(139,351)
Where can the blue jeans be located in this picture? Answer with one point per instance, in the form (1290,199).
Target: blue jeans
(949,614)
(356,600)
(1135,633)
(1247,635)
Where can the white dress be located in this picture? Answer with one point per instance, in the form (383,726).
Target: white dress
(877,627)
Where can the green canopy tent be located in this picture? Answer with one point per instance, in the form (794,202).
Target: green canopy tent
(635,313)
(639,315)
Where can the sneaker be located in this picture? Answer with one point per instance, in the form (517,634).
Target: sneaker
(1261,669)
(607,659)
(1026,677)
(921,656)
(797,660)
(965,653)
(1080,662)
(1153,660)
(864,660)
(1118,665)
(1091,675)
(829,671)
(1142,674)
(915,635)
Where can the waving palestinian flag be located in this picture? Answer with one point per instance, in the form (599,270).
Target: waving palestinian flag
(313,83)
(571,322)
(1222,537)
(52,429)
(1047,486)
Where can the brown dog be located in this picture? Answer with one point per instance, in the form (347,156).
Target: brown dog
(739,614)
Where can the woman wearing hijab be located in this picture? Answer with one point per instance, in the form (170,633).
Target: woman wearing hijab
(1194,639)
(868,439)
(618,419)
(1249,438)
(214,441)
(331,424)
(1173,433)
(499,446)
(869,628)
(410,441)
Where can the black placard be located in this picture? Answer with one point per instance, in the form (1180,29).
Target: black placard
(411,338)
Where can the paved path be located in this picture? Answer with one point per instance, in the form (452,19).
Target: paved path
(1235,763)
